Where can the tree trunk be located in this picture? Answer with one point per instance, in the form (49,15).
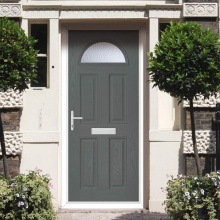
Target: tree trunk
(198,164)
(2,140)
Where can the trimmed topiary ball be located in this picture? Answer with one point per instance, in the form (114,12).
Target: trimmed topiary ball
(17,57)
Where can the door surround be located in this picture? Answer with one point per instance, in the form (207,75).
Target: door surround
(143,156)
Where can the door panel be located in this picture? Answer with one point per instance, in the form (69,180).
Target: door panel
(88,98)
(103,166)
(117,165)
(88,165)
(118,98)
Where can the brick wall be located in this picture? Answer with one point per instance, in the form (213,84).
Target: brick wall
(206,23)
(207,164)
(203,119)
(13,163)
(11,119)
(212,24)
(11,122)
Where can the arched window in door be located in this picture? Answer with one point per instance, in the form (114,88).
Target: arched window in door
(103,52)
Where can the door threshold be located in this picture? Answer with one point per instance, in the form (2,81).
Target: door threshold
(102,205)
(62,210)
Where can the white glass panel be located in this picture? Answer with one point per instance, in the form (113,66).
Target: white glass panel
(103,52)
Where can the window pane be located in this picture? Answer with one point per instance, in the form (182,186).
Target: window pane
(39,32)
(41,72)
(103,52)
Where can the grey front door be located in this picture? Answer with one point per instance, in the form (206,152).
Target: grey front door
(103,90)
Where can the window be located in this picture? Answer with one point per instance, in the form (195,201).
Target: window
(103,52)
(40,33)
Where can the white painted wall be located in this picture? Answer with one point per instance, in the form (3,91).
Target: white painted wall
(42,156)
(164,110)
(165,150)
(40,116)
(168,112)
(165,159)
(41,105)
(153,105)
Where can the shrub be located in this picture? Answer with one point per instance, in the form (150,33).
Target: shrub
(186,196)
(17,57)
(5,196)
(186,64)
(26,197)
(186,61)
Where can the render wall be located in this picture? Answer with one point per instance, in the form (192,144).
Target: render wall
(40,118)
(165,146)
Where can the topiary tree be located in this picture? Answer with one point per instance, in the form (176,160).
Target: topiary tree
(185,64)
(17,65)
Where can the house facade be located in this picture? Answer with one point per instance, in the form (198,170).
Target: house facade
(93,121)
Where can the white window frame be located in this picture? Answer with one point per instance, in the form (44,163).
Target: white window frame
(40,54)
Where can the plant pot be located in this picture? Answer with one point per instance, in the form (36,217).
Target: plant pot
(203,214)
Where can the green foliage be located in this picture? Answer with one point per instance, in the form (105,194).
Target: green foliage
(5,196)
(26,197)
(186,61)
(187,195)
(17,57)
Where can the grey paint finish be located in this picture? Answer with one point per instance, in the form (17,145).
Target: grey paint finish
(103,167)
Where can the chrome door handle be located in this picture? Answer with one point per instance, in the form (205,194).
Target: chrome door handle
(72,120)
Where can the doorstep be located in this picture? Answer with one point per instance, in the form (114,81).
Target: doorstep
(110,215)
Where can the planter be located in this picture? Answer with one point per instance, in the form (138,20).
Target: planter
(203,214)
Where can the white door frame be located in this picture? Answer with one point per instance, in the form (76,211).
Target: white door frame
(65,204)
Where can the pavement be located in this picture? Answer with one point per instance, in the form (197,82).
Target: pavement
(111,215)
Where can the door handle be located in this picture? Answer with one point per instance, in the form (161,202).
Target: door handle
(72,120)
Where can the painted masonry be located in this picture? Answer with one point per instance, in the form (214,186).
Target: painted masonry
(33,121)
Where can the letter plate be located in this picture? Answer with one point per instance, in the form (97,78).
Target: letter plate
(103,131)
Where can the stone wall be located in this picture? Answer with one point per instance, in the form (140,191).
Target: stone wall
(11,99)
(205,140)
